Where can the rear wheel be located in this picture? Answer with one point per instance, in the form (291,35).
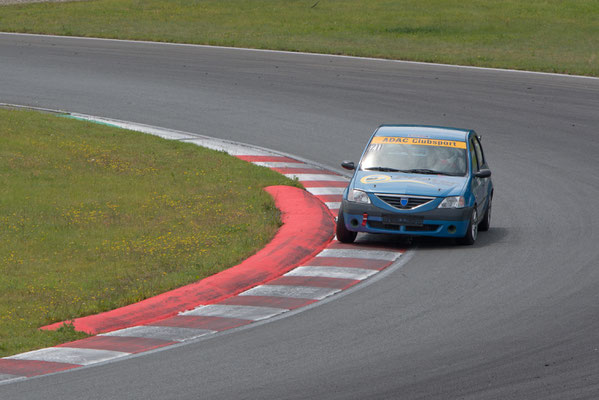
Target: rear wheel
(485,224)
(344,235)
(472,231)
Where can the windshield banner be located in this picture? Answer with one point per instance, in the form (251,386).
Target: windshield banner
(418,141)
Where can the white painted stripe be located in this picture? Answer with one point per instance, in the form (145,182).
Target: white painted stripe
(296,292)
(163,133)
(273,164)
(333,205)
(70,355)
(301,53)
(7,377)
(160,332)
(333,272)
(252,313)
(325,190)
(317,177)
(230,148)
(359,253)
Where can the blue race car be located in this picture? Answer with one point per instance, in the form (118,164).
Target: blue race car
(418,181)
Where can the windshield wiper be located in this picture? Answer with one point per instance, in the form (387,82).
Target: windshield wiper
(411,171)
(425,171)
(384,169)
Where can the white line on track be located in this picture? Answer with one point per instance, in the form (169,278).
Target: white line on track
(426,64)
(232,149)
(4,378)
(165,134)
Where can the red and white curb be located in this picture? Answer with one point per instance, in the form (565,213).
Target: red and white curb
(326,185)
(336,268)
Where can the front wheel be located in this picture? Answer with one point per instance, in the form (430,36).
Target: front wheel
(344,235)
(485,224)
(472,231)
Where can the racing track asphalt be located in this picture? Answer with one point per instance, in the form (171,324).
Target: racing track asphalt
(514,317)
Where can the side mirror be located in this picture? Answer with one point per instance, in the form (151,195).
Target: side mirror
(483,173)
(348,165)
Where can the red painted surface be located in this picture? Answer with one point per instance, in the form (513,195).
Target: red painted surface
(314,281)
(118,343)
(288,303)
(307,228)
(202,322)
(32,367)
(269,159)
(348,263)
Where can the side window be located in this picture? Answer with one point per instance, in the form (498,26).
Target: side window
(479,152)
(474,157)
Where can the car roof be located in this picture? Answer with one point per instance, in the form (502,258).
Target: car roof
(426,131)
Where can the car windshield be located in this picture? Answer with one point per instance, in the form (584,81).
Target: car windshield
(396,156)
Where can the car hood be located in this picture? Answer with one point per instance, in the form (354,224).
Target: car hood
(414,184)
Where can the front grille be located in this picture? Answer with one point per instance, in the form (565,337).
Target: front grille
(395,227)
(423,228)
(413,201)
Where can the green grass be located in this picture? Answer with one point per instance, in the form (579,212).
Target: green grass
(94,217)
(540,35)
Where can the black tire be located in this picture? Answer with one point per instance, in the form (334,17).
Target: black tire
(343,234)
(472,231)
(485,224)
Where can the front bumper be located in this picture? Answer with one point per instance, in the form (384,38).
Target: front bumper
(439,222)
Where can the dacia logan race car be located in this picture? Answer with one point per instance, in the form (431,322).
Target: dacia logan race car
(418,181)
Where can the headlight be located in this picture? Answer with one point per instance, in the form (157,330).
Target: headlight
(358,196)
(453,202)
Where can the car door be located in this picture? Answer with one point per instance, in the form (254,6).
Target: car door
(481,184)
(478,184)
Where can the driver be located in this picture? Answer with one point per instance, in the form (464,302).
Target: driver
(447,160)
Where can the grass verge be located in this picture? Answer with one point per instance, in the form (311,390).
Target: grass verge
(95,217)
(539,35)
